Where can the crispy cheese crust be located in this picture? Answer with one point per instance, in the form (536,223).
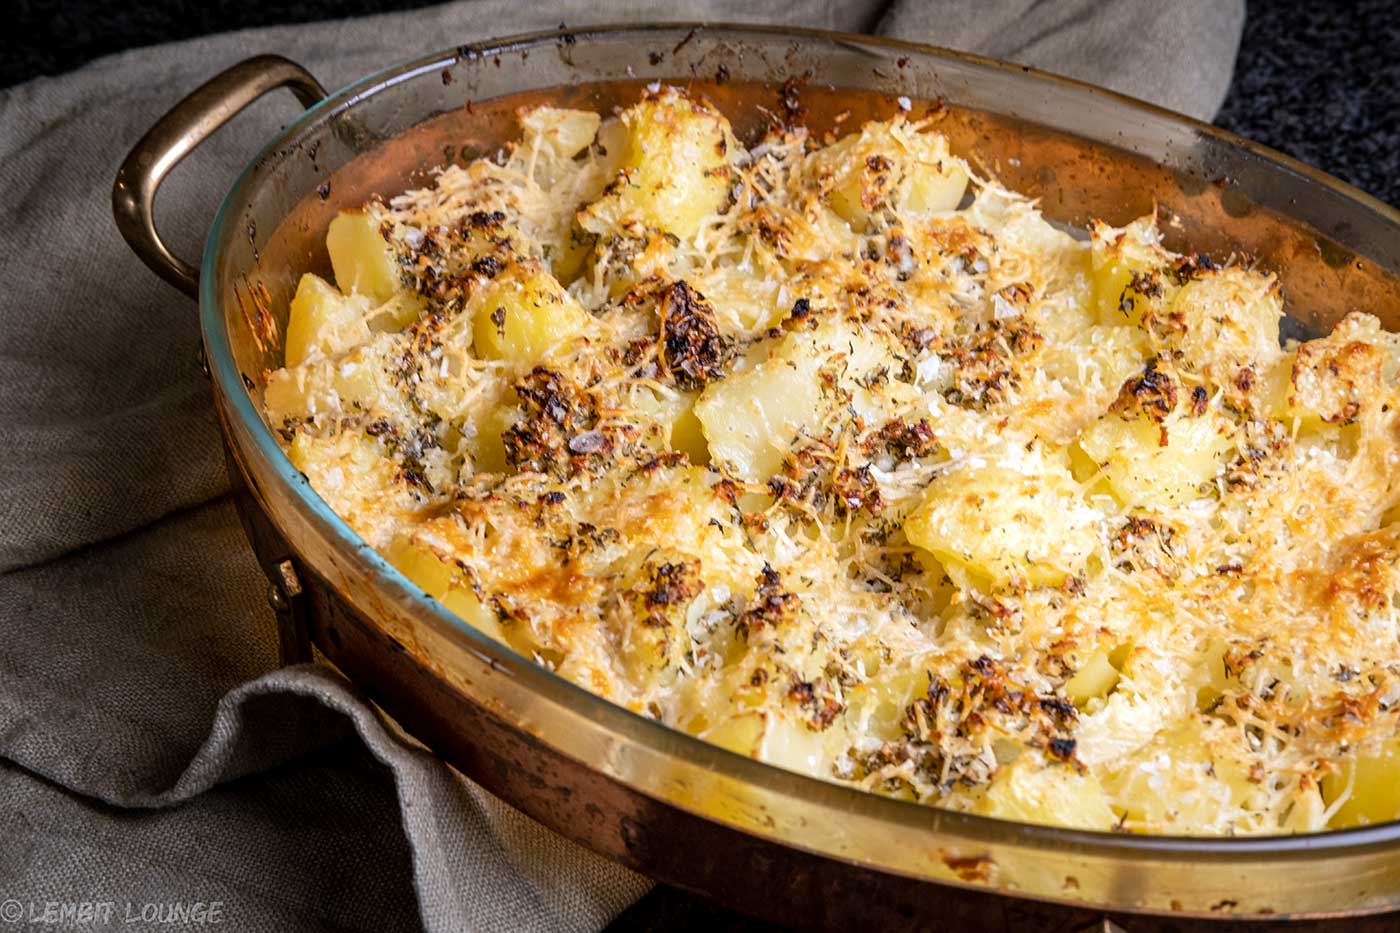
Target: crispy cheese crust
(839,455)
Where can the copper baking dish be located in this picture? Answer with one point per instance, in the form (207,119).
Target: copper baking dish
(771,842)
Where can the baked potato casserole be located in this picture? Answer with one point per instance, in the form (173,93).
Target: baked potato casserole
(836,453)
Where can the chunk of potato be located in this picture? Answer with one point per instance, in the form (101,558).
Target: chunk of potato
(771,737)
(568,258)
(522,314)
(350,472)
(1309,810)
(1097,361)
(1005,526)
(742,734)
(1268,396)
(869,170)
(1142,471)
(1067,310)
(1334,377)
(1122,257)
(394,315)
(674,171)
(936,187)
(487,447)
(1185,776)
(358,381)
(1321,388)
(558,132)
(677,414)
(877,706)
(1274,395)
(364,262)
(1225,320)
(1032,790)
(1375,789)
(1094,680)
(322,320)
(745,300)
(811,235)
(445,583)
(751,419)
(794,746)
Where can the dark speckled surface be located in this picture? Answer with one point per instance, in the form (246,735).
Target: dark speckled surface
(1321,82)
(1318,80)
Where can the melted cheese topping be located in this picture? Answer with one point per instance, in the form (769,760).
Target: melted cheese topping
(842,457)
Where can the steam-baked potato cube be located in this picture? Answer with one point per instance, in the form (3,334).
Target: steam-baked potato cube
(1334,377)
(676,413)
(323,320)
(486,445)
(1224,320)
(742,733)
(795,746)
(362,258)
(1120,257)
(443,582)
(1032,790)
(1128,266)
(751,419)
(809,233)
(351,472)
(1067,311)
(355,382)
(1309,811)
(522,314)
(745,300)
(568,257)
(1375,789)
(890,164)
(1005,526)
(674,171)
(551,139)
(773,738)
(935,187)
(877,707)
(1097,361)
(1141,470)
(1188,776)
(285,398)
(558,132)
(1096,677)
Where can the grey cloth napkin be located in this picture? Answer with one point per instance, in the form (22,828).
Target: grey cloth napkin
(150,752)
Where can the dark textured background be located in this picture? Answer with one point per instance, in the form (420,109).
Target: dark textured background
(1317,80)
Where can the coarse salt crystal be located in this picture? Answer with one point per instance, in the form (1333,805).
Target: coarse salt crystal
(929,370)
(1003,310)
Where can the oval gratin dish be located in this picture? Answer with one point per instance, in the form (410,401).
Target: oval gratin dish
(770,842)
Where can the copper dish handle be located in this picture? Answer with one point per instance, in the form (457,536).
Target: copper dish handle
(176,135)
